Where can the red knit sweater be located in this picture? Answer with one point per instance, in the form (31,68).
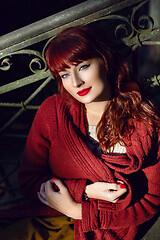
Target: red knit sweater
(56,146)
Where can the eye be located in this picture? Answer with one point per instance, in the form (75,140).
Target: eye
(84,66)
(65,75)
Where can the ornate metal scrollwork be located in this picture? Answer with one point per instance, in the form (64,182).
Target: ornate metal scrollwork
(143,23)
(5,64)
(154,81)
(132,26)
(38,61)
(132,30)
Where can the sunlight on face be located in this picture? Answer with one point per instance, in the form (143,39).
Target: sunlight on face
(86,81)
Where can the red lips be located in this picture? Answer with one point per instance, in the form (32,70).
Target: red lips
(84,91)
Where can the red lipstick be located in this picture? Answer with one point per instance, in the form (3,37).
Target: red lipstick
(84,91)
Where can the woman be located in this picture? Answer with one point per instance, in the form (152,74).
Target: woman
(92,153)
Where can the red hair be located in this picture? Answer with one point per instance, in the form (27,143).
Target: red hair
(80,43)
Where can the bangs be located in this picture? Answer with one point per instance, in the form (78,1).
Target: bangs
(69,51)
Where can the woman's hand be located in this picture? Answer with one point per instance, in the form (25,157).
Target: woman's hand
(59,199)
(110,192)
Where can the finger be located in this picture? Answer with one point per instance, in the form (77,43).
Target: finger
(119,182)
(103,186)
(58,183)
(122,185)
(42,199)
(49,190)
(117,194)
(42,187)
(42,190)
(43,194)
(114,201)
(113,186)
(54,186)
(118,185)
(48,186)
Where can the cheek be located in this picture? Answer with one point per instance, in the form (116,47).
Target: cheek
(68,88)
(65,85)
(100,81)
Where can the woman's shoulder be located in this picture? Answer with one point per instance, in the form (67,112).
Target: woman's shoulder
(52,100)
(56,104)
(142,135)
(51,103)
(142,128)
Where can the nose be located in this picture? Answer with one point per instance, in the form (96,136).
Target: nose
(76,80)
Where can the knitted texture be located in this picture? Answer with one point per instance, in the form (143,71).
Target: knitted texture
(56,146)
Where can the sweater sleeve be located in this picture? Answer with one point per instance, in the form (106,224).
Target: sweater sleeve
(76,188)
(141,210)
(34,166)
(144,206)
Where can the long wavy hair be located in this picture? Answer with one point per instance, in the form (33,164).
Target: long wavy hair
(76,44)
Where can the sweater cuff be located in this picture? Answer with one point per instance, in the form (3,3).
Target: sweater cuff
(105,218)
(90,216)
(79,189)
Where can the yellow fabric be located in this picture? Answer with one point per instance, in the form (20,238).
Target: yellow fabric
(54,228)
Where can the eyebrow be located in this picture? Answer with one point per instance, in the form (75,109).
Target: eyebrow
(75,64)
(62,71)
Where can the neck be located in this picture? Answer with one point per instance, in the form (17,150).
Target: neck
(95,111)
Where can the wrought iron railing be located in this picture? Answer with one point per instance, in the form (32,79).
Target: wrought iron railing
(26,46)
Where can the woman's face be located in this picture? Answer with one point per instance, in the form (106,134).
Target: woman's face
(86,81)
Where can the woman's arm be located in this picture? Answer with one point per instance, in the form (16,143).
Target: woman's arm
(93,213)
(34,166)
(59,198)
(109,192)
(54,193)
(145,188)
(139,211)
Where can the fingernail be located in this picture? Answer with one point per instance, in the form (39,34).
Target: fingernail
(122,186)
(54,178)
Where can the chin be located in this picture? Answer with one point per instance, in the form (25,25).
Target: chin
(87,101)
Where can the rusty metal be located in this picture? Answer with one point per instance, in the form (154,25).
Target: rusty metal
(83,13)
